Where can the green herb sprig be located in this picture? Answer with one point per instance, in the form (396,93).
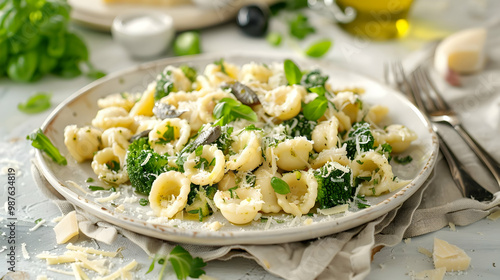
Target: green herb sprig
(183,263)
(37,103)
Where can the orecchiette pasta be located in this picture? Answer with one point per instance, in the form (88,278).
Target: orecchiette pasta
(254,72)
(108,165)
(239,206)
(376,168)
(324,135)
(347,102)
(303,192)
(247,151)
(169,193)
(112,117)
(169,136)
(377,113)
(118,135)
(284,102)
(293,154)
(146,103)
(82,142)
(396,135)
(263,182)
(124,100)
(207,168)
(331,155)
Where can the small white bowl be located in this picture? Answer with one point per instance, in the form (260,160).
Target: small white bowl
(144,34)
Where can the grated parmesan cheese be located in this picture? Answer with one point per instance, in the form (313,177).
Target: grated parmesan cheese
(108,198)
(91,250)
(118,273)
(26,255)
(39,224)
(334,210)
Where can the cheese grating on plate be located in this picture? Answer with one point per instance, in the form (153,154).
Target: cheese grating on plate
(433,274)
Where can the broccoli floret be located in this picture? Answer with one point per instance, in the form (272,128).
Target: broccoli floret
(144,165)
(334,186)
(42,142)
(314,79)
(198,198)
(299,126)
(360,136)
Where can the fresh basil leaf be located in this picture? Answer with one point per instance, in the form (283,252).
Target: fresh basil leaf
(315,109)
(184,264)
(292,72)
(36,103)
(319,90)
(274,38)
(280,186)
(319,48)
(299,27)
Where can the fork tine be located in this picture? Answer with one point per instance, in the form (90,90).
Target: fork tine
(416,89)
(440,102)
(429,101)
(405,84)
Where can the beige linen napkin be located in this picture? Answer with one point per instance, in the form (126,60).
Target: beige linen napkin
(344,255)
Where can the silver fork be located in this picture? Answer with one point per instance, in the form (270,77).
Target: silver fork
(439,111)
(464,181)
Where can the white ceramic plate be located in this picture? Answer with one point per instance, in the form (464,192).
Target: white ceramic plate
(81,107)
(98,15)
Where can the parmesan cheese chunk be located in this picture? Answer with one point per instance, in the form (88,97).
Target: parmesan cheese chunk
(433,274)
(67,228)
(494,216)
(449,256)
(462,52)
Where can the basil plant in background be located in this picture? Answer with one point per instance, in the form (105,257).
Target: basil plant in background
(35,41)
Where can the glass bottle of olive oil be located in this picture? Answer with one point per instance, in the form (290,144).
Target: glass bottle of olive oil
(377,19)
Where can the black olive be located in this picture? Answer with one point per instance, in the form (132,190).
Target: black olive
(253,20)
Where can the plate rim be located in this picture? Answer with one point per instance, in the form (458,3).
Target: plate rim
(206,237)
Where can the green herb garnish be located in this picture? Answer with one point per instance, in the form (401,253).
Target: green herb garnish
(228,110)
(96,188)
(274,38)
(42,142)
(280,186)
(292,72)
(143,201)
(319,48)
(403,160)
(316,108)
(299,27)
(36,103)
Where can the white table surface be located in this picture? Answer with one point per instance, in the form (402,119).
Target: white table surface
(430,19)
